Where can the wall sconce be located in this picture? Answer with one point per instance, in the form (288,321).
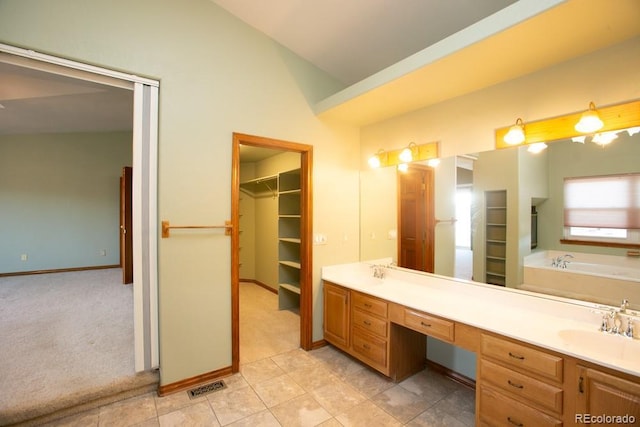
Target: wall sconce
(515,135)
(377,159)
(406,155)
(589,121)
(604,138)
(410,153)
(537,147)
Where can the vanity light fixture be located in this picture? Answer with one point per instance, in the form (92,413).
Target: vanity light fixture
(589,121)
(536,147)
(433,162)
(411,153)
(632,131)
(604,138)
(515,135)
(376,160)
(403,167)
(579,139)
(406,155)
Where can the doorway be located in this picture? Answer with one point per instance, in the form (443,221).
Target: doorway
(94,82)
(305,214)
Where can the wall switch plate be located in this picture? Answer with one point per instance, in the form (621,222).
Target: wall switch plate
(103,252)
(319,239)
(24,257)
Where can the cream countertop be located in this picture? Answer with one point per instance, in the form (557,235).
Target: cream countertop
(558,324)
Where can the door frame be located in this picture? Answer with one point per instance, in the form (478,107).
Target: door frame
(306,201)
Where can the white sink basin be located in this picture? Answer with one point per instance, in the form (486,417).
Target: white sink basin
(601,345)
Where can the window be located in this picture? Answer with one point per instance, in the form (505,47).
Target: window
(603,208)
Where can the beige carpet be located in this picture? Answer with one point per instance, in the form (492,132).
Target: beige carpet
(66,339)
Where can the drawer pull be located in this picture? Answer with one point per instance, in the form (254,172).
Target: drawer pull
(366,346)
(366,322)
(367,305)
(515,423)
(516,356)
(426,325)
(516,385)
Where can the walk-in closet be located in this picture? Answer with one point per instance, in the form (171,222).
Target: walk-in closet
(270,212)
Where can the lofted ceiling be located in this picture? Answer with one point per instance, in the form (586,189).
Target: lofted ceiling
(393,56)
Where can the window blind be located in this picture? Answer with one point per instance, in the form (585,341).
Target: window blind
(609,201)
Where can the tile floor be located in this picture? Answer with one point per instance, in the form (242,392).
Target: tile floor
(291,387)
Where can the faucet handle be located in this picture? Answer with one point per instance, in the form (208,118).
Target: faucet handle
(604,326)
(624,305)
(629,332)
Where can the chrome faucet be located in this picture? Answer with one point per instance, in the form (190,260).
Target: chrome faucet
(613,319)
(561,261)
(378,271)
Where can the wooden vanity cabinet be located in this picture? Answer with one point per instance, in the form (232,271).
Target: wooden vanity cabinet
(518,384)
(359,324)
(337,317)
(600,393)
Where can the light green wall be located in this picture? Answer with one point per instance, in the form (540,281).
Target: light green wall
(217,76)
(60,198)
(568,159)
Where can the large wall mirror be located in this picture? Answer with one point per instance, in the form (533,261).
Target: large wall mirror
(500,218)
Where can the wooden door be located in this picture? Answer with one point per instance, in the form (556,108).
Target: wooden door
(416,220)
(126,221)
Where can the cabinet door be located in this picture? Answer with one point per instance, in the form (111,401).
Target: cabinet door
(601,394)
(336,315)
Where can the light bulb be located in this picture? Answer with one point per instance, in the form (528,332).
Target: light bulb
(537,147)
(406,155)
(589,121)
(515,135)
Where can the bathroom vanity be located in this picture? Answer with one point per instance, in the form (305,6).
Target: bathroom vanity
(540,361)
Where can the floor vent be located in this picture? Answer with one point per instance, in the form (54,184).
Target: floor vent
(205,389)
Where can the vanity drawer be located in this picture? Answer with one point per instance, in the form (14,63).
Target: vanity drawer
(524,357)
(499,410)
(372,324)
(429,325)
(370,304)
(371,348)
(537,392)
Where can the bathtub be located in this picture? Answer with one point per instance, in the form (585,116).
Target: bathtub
(605,279)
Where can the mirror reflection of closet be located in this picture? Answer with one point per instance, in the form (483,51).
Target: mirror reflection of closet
(269,251)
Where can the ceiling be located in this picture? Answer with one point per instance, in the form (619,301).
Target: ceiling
(393,56)
(35,101)
(354,39)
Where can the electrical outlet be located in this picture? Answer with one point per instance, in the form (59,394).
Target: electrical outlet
(24,257)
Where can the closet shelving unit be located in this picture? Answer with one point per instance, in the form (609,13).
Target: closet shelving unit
(289,214)
(496,237)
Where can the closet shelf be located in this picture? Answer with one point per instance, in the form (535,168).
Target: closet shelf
(292,288)
(291,264)
(289,239)
(266,185)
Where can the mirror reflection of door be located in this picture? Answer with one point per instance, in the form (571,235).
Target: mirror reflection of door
(416,228)
(126,222)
